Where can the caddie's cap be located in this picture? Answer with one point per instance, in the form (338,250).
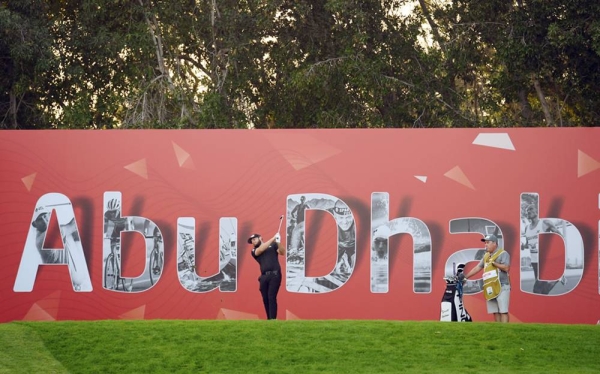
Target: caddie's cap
(490,238)
(252,237)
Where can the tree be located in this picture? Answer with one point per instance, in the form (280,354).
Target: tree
(287,64)
(530,63)
(342,64)
(25,58)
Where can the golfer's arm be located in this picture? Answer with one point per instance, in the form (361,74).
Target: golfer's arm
(264,246)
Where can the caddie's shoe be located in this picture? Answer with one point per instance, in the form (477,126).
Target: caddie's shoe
(563,280)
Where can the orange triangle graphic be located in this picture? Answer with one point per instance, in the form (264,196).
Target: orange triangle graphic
(305,150)
(513,318)
(45,309)
(585,164)
(37,313)
(477,306)
(290,316)
(183,158)
(457,175)
(50,303)
(28,181)
(139,168)
(235,315)
(297,161)
(137,313)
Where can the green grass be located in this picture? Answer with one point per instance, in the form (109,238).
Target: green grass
(297,347)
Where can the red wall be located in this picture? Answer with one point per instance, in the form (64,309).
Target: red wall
(432,175)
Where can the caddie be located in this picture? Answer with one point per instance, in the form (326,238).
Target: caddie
(496,282)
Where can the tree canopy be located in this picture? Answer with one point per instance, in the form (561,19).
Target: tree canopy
(298,64)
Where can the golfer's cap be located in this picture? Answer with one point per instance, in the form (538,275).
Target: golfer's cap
(490,238)
(252,237)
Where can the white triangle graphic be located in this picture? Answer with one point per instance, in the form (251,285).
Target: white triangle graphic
(501,140)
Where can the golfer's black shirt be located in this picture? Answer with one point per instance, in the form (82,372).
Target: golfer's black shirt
(268,260)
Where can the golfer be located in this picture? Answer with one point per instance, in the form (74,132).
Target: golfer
(266,254)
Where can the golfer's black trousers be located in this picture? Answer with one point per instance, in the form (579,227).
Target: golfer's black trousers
(269,287)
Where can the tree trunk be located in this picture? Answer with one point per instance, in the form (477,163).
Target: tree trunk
(13,109)
(543,102)
(432,24)
(526,111)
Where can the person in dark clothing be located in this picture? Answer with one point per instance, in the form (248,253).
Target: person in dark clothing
(265,253)
(297,216)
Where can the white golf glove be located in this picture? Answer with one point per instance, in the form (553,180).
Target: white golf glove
(277,237)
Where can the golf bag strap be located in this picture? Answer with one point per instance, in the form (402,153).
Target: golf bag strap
(487,258)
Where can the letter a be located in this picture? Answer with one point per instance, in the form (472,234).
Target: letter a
(34,254)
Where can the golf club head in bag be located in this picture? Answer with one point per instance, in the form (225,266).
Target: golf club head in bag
(452,307)
(460,272)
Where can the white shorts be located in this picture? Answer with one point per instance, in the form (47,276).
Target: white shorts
(500,304)
(535,256)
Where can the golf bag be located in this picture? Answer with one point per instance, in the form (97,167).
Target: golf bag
(452,308)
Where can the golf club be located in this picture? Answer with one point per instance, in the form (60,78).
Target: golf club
(280,221)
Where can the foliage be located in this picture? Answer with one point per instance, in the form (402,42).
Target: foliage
(530,63)
(289,64)
(25,60)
